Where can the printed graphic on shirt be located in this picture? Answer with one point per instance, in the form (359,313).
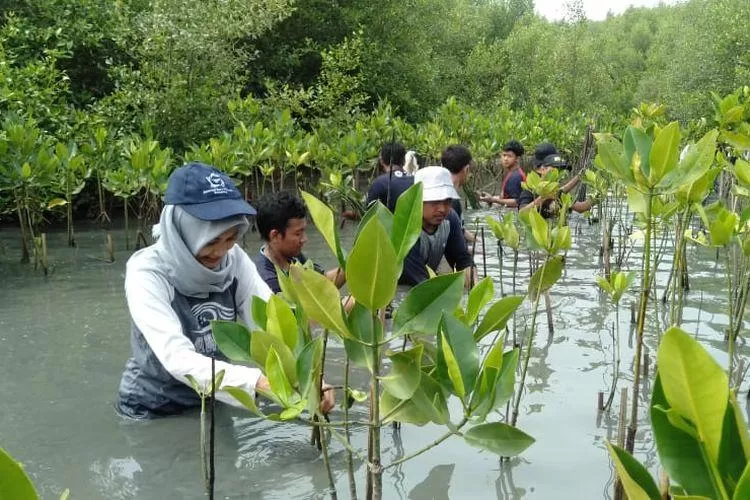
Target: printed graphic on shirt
(205,313)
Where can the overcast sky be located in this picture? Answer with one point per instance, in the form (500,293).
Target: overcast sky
(596,10)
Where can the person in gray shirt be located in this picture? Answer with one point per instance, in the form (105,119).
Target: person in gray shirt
(193,274)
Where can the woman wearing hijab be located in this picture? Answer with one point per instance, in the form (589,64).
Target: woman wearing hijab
(192,275)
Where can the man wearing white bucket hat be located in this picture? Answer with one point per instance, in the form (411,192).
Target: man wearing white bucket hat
(442,234)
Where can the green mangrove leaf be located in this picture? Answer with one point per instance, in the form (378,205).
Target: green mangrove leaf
(308,366)
(358,396)
(483,395)
(454,373)
(373,270)
(396,410)
(637,146)
(281,322)
(287,289)
(510,232)
(697,161)
(743,486)
(479,296)
(277,379)
(196,386)
(506,381)
(547,275)
(695,385)
(379,211)
(736,140)
(677,421)
(245,399)
(611,158)
(361,325)
(679,452)
(232,339)
(605,286)
(636,481)
(538,227)
(406,373)
(733,455)
(325,221)
(500,438)
(637,201)
(407,221)
(293,411)
(423,306)
(260,347)
(320,298)
(721,222)
(497,316)
(741,171)
(459,360)
(664,153)
(561,239)
(495,227)
(430,401)
(258,310)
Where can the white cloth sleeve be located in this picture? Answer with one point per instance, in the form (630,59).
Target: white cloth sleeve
(149,297)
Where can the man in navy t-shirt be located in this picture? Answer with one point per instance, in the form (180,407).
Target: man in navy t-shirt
(457,159)
(282,223)
(442,233)
(388,186)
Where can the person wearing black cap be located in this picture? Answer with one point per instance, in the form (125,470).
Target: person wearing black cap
(513,177)
(546,158)
(194,274)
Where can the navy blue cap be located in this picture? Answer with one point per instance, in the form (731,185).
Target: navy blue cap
(206,193)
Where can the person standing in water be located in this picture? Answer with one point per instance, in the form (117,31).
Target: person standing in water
(195,273)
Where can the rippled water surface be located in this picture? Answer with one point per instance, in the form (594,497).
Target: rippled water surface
(65,340)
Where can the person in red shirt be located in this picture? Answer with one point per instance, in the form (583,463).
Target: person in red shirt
(513,176)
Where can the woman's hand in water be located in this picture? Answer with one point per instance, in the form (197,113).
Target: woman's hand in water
(327,398)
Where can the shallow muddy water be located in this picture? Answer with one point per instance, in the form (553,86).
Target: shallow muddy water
(65,340)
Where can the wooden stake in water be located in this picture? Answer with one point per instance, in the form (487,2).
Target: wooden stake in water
(44,253)
(484,255)
(110,248)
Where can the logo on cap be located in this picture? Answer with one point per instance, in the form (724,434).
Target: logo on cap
(215,184)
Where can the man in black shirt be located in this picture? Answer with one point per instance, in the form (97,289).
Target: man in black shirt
(457,159)
(546,158)
(282,223)
(388,186)
(442,234)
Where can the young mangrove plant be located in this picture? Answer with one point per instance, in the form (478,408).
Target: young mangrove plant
(552,241)
(647,163)
(443,361)
(615,287)
(700,433)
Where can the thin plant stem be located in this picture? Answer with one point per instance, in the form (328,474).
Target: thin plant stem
(327,462)
(349,459)
(616,355)
(730,310)
(376,471)
(530,342)
(645,288)
(429,446)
